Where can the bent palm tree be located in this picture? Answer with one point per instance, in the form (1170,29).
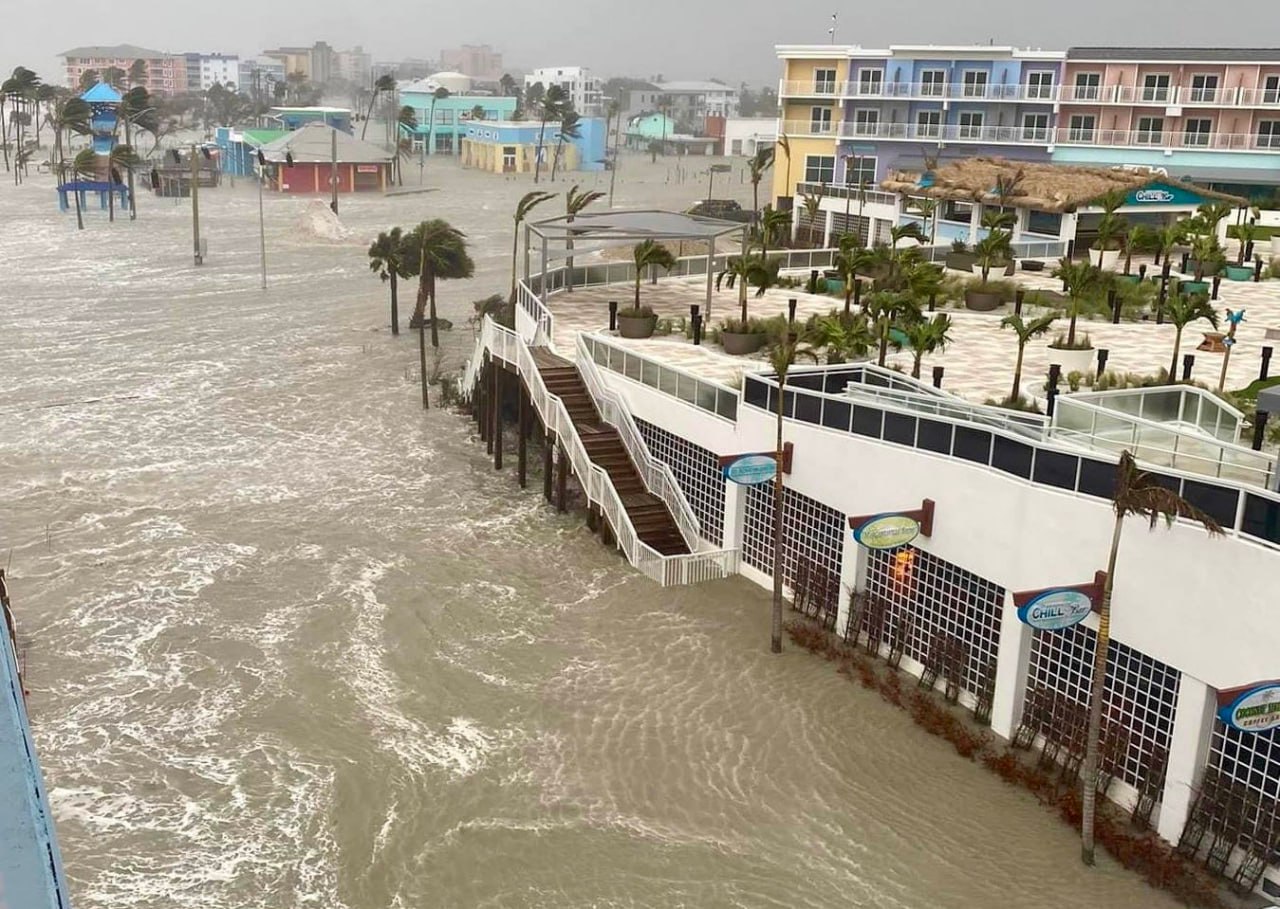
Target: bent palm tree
(772,223)
(122,158)
(848,262)
(1137,493)
(1025,332)
(927,336)
(574,203)
(650,254)
(386,258)
(554,104)
(785,146)
(888,311)
(758,163)
(439,252)
(570,128)
(1182,310)
(383,84)
(528,202)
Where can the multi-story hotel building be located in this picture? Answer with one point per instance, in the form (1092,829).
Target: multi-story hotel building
(166,74)
(852,116)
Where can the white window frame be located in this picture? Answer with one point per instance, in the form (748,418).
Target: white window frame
(1043,91)
(932,130)
(1269,137)
(1203,137)
(825,86)
(941,83)
(878,72)
(1082,133)
(1084,88)
(1212,91)
(1035,133)
(816,119)
(858,167)
(819,167)
(965,86)
(1152,93)
(1271,88)
(863,116)
(1138,131)
(970,130)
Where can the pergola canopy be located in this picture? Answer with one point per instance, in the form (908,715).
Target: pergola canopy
(635,225)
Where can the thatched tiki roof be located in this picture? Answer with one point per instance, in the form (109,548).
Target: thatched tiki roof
(1023,184)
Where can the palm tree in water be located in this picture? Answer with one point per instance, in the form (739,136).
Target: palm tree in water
(386,259)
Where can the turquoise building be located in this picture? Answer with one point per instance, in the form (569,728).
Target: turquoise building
(452,115)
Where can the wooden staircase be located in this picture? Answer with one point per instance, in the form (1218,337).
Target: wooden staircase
(654,524)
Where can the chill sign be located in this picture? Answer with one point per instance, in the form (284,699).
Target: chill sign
(1153,195)
(887,531)
(1256,710)
(752,470)
(1054,610)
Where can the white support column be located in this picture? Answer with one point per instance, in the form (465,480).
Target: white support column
(1020,225)
(852,575)
(1188,752)
(826,230)
(1070,224)
(975,222)
(735,514)
(795,219)
(1011,670)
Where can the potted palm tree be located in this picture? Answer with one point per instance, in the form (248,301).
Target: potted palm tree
(1081,283)
(961,258)
(992,251)
(1105,251)
(1025,331)
(1247,235)
(891,314)
(1182,311)
(745,335)
(993,221)
(639,321)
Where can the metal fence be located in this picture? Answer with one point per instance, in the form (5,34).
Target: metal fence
(713,397)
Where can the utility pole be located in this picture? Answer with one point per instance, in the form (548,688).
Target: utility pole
(262,227)
(333,169)
(195,204)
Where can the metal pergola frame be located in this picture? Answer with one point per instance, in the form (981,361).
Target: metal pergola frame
(624,226)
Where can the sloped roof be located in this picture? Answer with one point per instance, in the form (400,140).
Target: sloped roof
(313,144)
(102,93)
(124,51)
(1180,54)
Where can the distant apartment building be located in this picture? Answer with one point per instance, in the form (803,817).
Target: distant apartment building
(316,63)
(258,78)
(166,74)
(479,61)
(691,103)
(203,70)
(584,90)
(354,66)
(854,115)
(406,70)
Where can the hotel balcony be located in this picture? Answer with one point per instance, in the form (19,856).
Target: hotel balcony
(1166,139)
(948,132)
(810,128)
(1170,96)
(920,91)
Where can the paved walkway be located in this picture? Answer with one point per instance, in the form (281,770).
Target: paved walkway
(979,361)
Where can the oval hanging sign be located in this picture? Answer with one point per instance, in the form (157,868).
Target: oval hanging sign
(752,470)
(1257,710)
(1054,610)
(887,531)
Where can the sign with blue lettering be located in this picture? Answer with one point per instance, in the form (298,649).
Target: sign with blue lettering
(1256,709)
(752,469)
(1164,194)
(1053,610)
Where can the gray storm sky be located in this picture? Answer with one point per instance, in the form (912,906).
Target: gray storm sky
(682,39)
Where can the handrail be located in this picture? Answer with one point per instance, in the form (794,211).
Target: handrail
(656,475)
(511,347)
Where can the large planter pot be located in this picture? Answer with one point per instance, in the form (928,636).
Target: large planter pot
(834,286)
(739,344)
(1239,272)
(1105,259)
(1209,271)
(1073,360)
(981,300)
(636,328)
(960,261)
(997,268)
(1193,287)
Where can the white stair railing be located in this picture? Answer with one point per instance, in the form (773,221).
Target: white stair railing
(509,346)
(656,475)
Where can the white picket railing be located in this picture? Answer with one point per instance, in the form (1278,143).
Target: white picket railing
(507,345)
(657,475)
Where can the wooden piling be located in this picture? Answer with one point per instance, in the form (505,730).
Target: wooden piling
(562,480)
(548,445)
(522,438)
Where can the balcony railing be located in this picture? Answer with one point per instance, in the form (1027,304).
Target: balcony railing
(808,128)
(920,90)
(1144,138)
(1171,96)
(808,88)
(840,191)
(948,132)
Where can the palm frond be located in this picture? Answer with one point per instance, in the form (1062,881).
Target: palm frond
(1140,493)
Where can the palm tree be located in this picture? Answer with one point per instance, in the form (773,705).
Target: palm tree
(138,72)
(68,115)
(812,204)
(438,95)
(1182,310)
(386,258)
(928,209)
(574,203)
(785,145)
(843,336)
(21,88)
(748,270)
(554,104)
(439,252)
(384,83)
(1168,237)
(84,164)
(135,107)
(992,249)
(782,356)
(650,254)
(570,128)
(758,163)
(772,223)
(1025,332)
(114,76)
(121,158)
(927,336)
(889,310)
(1081,282)
(848,262)
(613,115)
(1137,493)
(528,202)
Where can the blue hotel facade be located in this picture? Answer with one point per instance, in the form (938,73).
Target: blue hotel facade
(452,117)
(511,147)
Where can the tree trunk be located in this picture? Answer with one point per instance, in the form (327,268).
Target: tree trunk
(422,362)
(431,296)
(848,294)
(884,345)
(4,134)
(515,262)
(1016,395)
(1097,689)
(537,158)
(742,299)
(775,639)
(639,272)
(1177,345)
(395,306)
(1071,330)
(915,365)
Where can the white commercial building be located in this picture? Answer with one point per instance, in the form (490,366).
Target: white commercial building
(584,90)
(699,100)
(223,69)
(747,135)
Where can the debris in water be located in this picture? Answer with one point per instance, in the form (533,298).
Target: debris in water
(318,220)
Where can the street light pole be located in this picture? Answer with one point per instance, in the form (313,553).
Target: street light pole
(195,204)
(333,169)
(262,226)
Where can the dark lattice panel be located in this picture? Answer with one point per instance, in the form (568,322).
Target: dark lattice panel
(697,470)
(810,531)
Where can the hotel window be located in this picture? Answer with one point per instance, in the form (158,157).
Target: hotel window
(824,81)
(933,83)
(1150,130)
(819,168)
(444,116)
(970,125)
(1269,134)
(444,144)
(974,84)
(1271,90)
(859,169)
(1035,127)
(866,122)
(1040,85)
(929,124)
(1081,128)
(1195,131)
(1204,88)
(870,81)
(820,120)
(1155,87)
(1088,86)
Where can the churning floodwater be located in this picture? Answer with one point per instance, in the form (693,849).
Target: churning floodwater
(293,643)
